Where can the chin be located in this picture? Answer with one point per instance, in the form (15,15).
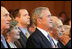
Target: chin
(28,23)
(18,37)
(7,27)
(51,26)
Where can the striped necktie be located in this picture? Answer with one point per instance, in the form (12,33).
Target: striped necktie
(51,41)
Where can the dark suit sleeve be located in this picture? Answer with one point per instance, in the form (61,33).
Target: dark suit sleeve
(33,43)
(2,45)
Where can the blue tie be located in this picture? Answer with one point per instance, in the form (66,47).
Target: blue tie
(3,41)
(51,40)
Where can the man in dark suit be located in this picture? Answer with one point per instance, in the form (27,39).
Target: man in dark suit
(5,21)
(38,40)
(23,18)
(41,38)
(22,40)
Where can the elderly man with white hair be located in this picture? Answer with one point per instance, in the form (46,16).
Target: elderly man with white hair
(59,33)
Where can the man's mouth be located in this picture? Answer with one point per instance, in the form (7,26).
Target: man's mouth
(50,22)
(61,34)
(17,34)
(8,23)
(29,20)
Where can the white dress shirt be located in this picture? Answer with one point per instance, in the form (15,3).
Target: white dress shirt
(55,41)
(12,45)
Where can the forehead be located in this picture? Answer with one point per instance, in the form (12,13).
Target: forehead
(66,27)
(4,11)
(23,11)
(46,12)
(57,22)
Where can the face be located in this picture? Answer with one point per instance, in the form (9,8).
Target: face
(60,30)
(24,17)
(15,33)
(5,18)
(46,19)
(57,28)
(66,30)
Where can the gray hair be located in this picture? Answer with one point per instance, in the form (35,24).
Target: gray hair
(56,20)
(37,13)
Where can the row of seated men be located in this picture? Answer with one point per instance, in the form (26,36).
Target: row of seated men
(40,30)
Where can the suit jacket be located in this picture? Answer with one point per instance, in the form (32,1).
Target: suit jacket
(18,44)
(2,46)
(22,40)
(38,40)
(68,45)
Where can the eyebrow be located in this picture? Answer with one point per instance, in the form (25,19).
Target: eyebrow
(6,14)
(25,14)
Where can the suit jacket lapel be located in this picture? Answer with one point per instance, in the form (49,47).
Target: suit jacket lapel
(59,44)
(23,36)
(45,40)
(17,43)
(22,39)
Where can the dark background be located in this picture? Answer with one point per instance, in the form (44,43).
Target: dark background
(55,6)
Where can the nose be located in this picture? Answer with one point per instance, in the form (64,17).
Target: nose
(8,18)
(51,19)
(28,17)
(62,30)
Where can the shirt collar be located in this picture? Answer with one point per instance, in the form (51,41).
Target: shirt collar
(24,30)
(55,41)
(43,32)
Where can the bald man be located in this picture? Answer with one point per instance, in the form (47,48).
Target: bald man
(5,21)
(58,33)
(57,27)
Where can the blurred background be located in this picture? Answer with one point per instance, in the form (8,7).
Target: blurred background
(61,9)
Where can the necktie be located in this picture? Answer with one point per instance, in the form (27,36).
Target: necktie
(51,41)
(27,34)
(58,45)
(3,41)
